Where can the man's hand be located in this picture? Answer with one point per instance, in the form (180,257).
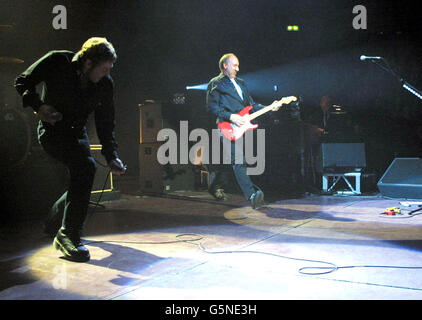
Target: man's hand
(276,105)
(238,120)
(117,167)
(286,100)
(320,131)
(49,114)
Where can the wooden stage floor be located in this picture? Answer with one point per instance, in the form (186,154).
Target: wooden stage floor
(192,247)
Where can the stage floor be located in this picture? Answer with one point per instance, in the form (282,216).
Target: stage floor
(188,246)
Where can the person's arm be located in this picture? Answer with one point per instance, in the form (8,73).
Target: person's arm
(26,84)
(250,101)
(105,123)
(213,103)
(214,106)
(256,106)
(27,81)
(276,104)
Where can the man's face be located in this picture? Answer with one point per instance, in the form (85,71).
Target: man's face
(231,68)
(101,70)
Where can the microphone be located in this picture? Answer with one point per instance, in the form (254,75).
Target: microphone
(363,58)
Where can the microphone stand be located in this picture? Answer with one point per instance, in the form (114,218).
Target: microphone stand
(403,82)
(417,93)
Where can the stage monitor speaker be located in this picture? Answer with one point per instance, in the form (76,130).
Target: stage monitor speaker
(341,157)
(402,179)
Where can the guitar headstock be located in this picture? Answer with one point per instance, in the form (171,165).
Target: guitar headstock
(287,100)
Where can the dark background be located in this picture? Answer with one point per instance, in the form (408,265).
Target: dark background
(165,45)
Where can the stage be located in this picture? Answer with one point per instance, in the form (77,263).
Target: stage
(186,246)
(149,82)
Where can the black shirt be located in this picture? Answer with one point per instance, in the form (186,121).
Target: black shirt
(60,71)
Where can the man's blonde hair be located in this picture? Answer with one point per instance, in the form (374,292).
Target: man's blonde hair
(97,49)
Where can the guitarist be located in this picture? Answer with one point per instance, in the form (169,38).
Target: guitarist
(226,96)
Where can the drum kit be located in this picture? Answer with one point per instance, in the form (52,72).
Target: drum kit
(16,125)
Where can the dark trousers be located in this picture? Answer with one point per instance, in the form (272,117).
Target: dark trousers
(218,172)
(74,152)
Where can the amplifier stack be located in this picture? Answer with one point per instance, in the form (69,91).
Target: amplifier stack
(154,177)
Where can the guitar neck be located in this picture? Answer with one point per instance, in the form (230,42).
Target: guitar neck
(260,112)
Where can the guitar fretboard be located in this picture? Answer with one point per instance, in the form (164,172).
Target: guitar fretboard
(286,100)
(260,112)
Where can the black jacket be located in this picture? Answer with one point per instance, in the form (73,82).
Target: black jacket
(59,71)
(223,99)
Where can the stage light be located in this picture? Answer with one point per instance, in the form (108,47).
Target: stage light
(198,87)
(412,90)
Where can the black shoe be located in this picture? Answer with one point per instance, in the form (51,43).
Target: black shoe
(71,246)
(218,194)
(257,199)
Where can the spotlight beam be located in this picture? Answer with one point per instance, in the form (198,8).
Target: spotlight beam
(198,87)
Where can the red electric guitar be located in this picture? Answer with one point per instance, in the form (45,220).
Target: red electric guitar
(234,132)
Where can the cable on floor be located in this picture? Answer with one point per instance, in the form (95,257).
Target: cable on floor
(313,270)
(196,237)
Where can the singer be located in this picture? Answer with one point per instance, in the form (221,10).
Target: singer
(76,84)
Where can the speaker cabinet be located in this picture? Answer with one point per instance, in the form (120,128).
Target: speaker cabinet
(150,170)
(154,177)
(342,157)
(402,179)
(150,121)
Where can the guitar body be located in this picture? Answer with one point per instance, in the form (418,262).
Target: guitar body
(233,132)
